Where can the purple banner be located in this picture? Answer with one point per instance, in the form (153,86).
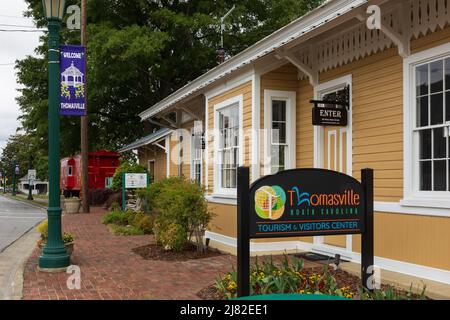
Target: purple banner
(73,88)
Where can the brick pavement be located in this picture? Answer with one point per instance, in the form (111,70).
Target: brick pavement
(110,270)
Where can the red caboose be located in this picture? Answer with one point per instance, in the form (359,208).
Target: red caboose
(102,166)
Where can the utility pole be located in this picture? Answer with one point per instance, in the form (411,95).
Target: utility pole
(84,120)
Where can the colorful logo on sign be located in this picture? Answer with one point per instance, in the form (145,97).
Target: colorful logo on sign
(270,202)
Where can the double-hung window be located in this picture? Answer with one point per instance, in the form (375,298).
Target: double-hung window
(427,128)
(432,123)
(279,114)
(228,123)
(196,152)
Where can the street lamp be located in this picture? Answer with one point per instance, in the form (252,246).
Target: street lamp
(16,171)
(54,255)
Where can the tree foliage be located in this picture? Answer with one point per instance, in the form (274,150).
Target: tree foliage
(140,51)
(20,149)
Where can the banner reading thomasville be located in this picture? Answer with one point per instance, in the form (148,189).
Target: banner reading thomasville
(73,89)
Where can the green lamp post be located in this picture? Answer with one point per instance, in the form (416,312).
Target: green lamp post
(54,255)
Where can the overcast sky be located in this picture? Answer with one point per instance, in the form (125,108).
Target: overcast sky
(13,46)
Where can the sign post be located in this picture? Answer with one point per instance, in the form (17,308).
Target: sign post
(303,202)
(367,252)
(132,181)
(31,179)
(243,246)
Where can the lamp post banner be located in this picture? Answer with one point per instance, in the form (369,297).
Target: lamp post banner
(73,88)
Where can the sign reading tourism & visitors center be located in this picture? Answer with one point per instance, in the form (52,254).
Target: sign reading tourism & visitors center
(73,88)
(303,202)
(306,202)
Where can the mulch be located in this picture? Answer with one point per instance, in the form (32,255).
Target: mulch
(155,252)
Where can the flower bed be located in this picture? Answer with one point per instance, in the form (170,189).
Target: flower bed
(291,277)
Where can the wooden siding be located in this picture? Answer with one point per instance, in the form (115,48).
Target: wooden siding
(159,155)
(377,102)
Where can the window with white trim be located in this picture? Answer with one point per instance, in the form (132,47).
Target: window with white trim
(228,151)
(196,152)
(228,145)
(279,145)
(431,125)
(279,117)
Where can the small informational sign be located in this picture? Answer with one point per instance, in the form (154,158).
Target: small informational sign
(32,175)
(136,180)
(306,202)
(326,116)
(73,88)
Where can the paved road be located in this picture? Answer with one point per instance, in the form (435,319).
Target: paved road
(16,218)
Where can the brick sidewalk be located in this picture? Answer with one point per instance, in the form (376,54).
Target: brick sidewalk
(110,270)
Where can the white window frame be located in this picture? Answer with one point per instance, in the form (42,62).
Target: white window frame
(411,194)
(239,102)
(192,148)
(290,98)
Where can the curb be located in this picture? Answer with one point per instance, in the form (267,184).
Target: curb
(16,257)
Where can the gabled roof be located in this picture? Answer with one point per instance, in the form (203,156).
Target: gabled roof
(155,136)
(329,11)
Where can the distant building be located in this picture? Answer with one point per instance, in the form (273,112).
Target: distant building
(37,186)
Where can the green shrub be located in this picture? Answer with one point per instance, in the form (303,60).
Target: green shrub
(181,202)
(129,216)
(145,224)
(173,237)
(138,216)
(125,167)
(115,206)
(115,217)
(149,195)
(125,230)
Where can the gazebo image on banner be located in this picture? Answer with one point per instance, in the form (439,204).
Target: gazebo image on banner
(72,77)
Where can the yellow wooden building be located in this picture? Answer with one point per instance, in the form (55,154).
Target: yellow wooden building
(254,109)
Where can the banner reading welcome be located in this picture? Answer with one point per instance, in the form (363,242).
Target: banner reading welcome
(73,89)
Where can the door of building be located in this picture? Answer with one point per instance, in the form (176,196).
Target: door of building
(334,154)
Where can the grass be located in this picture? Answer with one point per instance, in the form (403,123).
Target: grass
(125,230)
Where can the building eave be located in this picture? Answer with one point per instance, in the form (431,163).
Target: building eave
(151,138)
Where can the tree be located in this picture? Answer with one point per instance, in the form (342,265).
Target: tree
(18,150)
(139,52)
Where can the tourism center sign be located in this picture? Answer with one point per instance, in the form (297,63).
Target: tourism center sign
(303,202)
(306,202)
(73,81)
